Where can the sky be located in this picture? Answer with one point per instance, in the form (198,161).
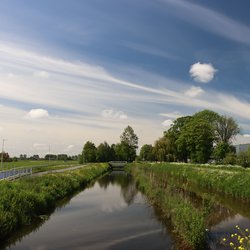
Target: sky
(73,71)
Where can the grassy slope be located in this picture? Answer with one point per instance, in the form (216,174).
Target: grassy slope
(22,200)
(161,182)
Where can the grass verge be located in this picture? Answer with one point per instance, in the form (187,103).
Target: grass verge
(21,201)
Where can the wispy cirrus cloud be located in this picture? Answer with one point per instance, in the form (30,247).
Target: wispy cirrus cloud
(81,91)
(113,114)
(173,115)
(152,51)
(211,20)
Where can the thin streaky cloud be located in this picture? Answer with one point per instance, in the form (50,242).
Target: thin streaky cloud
(152,51)
(211,20)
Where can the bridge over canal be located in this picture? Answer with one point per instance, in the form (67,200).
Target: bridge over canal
(117,165)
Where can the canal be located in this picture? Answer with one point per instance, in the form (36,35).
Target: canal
(109,214)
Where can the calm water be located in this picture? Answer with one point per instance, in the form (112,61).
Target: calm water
(111,214)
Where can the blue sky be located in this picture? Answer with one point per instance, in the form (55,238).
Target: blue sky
(84,70)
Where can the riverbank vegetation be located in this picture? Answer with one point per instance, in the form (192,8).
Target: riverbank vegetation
(176,190)
(21,201)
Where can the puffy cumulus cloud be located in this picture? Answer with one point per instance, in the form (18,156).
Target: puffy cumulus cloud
(167,123)
(42,74)
(194,91)
(113,114)
(37,113)
(202,72)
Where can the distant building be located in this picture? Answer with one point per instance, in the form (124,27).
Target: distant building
(242,147)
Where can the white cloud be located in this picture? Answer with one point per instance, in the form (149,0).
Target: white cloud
(202,72)
(110,113)
(194,91)
(83,88)
(246,135)
(37,113)
(211,20)
(167,123)
(1,129)
(173,115)
(42,74)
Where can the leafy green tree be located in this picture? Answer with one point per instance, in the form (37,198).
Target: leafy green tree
(103,152)
(230,158)
(226,129)
(178,151)
(162,149)
(129,144)
(89,152)
(243,159)
(220,151)
(80,158)
(197,139)
(208,115)
(121,152)
(147,153)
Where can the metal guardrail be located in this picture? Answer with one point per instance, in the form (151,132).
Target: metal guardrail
(14,173)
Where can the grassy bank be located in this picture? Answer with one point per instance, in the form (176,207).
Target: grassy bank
(23,200)
(174,188)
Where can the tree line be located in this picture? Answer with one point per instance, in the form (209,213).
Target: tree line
(200,138)
(125,150)
(203,137)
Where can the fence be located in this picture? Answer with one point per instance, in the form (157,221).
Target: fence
(14,173)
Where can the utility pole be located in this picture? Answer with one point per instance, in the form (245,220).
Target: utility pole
(49,154)
(2,153)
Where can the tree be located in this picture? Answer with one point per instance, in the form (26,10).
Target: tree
(103,152)
(162,149)
(6,157)
(243,159)
(220,151)
(147,153)
(208,115)
(89,152)
(196,139)
(226,129)
(178,151)
(129,143)
(121,152)
(62,157)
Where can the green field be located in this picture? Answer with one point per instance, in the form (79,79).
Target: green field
(39,165)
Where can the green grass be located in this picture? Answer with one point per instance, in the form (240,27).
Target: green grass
(21,201)
(185,193)
(188,220)
(39,165)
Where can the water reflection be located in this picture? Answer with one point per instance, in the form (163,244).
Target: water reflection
(111,214)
